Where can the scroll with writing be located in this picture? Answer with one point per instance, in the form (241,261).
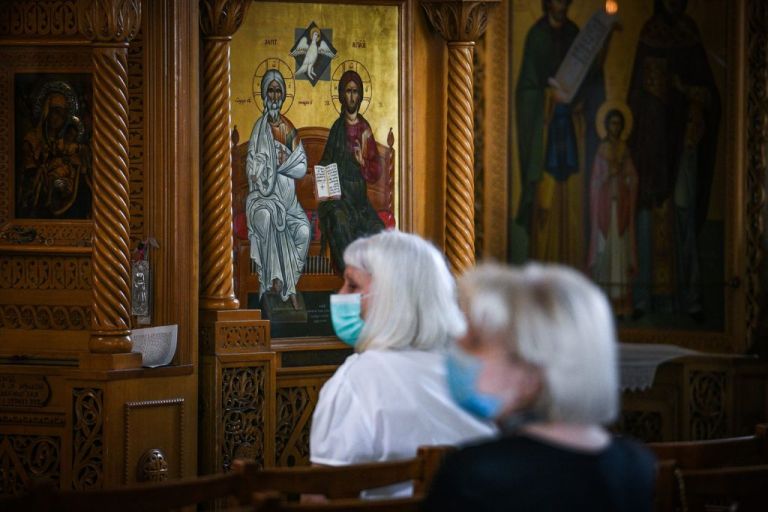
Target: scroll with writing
(582,54)
(327,184)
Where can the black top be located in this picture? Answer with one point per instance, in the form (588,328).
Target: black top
(521,473)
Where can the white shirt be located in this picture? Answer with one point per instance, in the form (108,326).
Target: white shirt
(383,405)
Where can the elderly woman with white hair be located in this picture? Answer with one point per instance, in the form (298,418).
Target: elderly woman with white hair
(539,358)
(398,310)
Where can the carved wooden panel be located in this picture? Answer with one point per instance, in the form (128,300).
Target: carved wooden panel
(140,437)
(24,419)
(243,413)
(480,113)
(251,337)
(708,404)
(29,316)
(644,425)
(236,332)
(136,156)
(38,18)
(297,393)
(67,279)
(45,273)
(757,164)
(87,438)
(27,460)
(294,414)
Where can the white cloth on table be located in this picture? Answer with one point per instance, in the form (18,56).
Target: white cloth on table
(638,362)
(382,405)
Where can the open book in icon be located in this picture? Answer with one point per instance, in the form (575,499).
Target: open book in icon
(327,185)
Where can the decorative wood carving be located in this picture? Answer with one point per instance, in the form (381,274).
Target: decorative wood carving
(26,460)
(244,337)
(50,235)
(136,160)
(114,22)
(243,414)
(233,332)
(30,316)
(32,420)
(295,405)
(219,20)
(110,25)
(152,466)
(37,18)
(643,425)
(458,20)
(151,463)
(707,404)
(478,93)
(460,23)
(757,161)
(47,273)
(87,438)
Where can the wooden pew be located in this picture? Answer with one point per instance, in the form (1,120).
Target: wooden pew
(732,451)
(740,488)
(275,502)
(247,484)
(338,482)
(665,494)
(162,496)
(680,458)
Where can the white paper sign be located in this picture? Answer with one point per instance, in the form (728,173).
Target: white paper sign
(157,345)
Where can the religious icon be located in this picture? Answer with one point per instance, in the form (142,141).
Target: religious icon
(313,52)
(352,147)
(289,269)
(278,228)
(53,157)
(612,256)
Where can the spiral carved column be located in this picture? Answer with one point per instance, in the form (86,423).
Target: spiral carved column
(461,23)
(460,162)
(220,19)
(110,26)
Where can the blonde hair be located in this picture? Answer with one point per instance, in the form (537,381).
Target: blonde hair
(413,304)
(556,319)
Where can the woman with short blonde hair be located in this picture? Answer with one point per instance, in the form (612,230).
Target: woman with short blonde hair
(539,357)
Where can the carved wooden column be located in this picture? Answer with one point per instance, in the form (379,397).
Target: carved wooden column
(110,25)
(219,20)
(461,23)
(237,364)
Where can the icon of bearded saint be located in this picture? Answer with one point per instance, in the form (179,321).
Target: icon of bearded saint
(313,54)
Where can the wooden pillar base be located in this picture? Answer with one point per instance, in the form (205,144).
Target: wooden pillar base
(218,303)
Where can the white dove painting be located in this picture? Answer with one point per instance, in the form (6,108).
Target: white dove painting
(313,52)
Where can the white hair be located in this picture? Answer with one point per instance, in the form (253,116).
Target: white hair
(270,76)
(413,294)
(557,320)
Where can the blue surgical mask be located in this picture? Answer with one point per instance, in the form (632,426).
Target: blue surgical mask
(345,316)
(463,371)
